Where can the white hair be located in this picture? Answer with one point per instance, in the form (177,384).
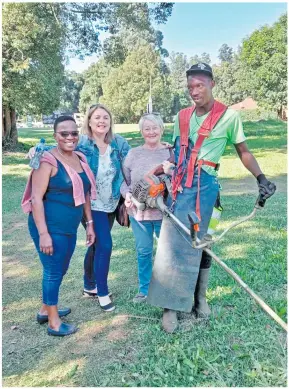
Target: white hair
(152,117)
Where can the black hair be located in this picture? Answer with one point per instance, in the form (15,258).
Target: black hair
(61,119)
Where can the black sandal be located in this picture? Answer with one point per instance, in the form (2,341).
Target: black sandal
(85,293)
(108,308)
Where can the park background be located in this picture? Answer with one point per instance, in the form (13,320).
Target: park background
(240,345)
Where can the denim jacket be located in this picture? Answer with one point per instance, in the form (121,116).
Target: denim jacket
(119,149)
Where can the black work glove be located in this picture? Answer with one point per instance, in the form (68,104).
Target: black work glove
(266,188)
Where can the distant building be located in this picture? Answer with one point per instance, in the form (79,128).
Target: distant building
(50,119)
(248,103)
(78,117)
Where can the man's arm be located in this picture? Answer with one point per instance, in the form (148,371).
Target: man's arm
(248,159)
(266,188)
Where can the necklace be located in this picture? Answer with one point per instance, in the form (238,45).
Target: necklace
(62,154)
(69,164)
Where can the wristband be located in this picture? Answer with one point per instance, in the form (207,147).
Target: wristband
(89,222)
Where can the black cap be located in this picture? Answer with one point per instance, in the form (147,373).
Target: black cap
(200,68)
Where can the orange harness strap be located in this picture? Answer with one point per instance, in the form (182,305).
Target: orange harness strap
(204,131)
(214,116)
(184,123)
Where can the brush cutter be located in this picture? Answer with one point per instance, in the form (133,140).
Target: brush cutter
(150,191)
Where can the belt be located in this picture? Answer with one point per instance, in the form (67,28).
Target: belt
(178,179)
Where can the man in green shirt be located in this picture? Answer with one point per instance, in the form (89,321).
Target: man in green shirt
(180,270)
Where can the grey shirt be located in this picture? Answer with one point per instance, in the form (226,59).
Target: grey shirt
(138,162)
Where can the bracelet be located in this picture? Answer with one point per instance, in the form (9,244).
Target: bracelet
(89,222)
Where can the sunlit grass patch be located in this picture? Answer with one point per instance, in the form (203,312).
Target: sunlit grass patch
(53,375)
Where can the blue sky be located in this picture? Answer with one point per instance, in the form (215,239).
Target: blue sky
(197,27)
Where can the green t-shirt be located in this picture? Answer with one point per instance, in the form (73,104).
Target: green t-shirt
(229,128)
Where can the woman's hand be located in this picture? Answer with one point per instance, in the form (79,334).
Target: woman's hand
(168,167)
(45,244)
(167,144)
(90,235)
(128,203)
(30,153)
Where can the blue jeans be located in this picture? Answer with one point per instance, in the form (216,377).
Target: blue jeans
(54,266)
(96,268)
(143,233)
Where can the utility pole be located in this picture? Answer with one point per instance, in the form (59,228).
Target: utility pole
(150,103)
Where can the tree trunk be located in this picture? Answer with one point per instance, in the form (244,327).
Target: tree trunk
(279,112)
(9,131)
(7,128)
(3,124)
(13,133)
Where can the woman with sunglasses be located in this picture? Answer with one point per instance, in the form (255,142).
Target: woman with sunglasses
(140,161)
(56,195)
(104,151)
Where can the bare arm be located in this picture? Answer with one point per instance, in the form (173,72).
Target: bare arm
(90,235)
(126,184)
(40,180)
(266,188)
(126,188)
(248,159)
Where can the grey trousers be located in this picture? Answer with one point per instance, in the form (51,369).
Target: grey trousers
(177,263)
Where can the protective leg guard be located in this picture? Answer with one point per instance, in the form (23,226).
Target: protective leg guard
(201,307)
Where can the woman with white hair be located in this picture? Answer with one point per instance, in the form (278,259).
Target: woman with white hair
(140,161)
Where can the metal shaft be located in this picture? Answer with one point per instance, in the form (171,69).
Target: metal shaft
(262,304)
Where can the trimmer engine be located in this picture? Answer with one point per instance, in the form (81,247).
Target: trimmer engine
(149,192)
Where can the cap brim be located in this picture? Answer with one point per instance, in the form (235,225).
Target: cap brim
(197,71)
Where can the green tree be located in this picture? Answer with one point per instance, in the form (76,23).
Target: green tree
(126,89)
(36,36)
(117,47)
(225,53)
(178,82)
(131,30)
(205,57)
(264,56)
(82,23)
(32,67)
(230,81)
(94,78)
(70,94)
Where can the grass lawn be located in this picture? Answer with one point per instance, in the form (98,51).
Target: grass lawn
(239,347)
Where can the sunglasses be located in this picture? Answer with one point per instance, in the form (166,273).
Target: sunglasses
(65,134)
